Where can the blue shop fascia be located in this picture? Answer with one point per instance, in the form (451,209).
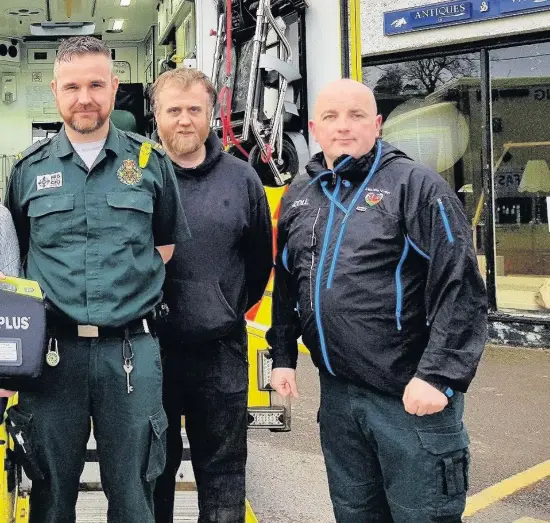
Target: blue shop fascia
(454,13)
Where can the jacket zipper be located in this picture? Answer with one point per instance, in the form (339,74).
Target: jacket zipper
(319,277)
(318,280)
(242,356)
(313,245)
(349,211)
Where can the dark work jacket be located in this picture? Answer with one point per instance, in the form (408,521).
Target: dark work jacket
(376,270)
(222,271)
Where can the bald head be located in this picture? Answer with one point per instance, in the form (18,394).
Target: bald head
(345,120)
(345,89)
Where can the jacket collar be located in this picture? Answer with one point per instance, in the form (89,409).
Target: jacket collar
(348,167)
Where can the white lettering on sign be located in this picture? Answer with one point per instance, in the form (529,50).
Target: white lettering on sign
(444,11)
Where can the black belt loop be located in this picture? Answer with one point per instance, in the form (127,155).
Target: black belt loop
(127,350)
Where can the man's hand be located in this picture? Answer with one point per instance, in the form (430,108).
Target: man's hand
(283,380)
(421,398)
(166,252)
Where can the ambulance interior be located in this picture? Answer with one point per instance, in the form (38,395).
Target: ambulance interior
(30,31)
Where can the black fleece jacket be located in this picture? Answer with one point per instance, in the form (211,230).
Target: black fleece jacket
(222,271)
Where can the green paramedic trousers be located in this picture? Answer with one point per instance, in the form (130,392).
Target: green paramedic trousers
(87,387)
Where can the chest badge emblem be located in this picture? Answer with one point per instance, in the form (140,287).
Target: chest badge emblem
(49,181)
(129,173)
(373,198)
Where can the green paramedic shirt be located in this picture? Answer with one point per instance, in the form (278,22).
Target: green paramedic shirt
(89,236)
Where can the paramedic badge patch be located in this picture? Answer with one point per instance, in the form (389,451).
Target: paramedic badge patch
(49,181)
(129,173)
(373,198)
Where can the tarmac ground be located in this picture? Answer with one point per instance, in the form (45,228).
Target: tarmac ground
(508,419)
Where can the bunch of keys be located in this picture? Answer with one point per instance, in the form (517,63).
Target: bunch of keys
(128,355)
(52,356)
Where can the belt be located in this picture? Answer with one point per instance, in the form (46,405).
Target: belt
(63,327)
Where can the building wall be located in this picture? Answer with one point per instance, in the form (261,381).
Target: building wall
(324,55)
(374,42)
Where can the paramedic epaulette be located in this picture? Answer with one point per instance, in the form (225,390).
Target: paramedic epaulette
(143,140)
(29,151)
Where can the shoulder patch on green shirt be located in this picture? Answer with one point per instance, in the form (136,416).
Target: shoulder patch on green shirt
(29,151)
(142,139)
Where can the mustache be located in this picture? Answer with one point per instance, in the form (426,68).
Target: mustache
(88,107)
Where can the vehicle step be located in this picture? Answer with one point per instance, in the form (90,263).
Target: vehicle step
(92,507)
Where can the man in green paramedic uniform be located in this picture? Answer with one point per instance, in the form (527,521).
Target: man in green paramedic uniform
(95,210)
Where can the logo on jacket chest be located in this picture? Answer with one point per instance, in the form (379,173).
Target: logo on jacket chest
(373,197)
(299,203)
(129,173)
(49,181)
(14,322)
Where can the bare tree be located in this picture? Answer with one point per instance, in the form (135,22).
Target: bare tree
(432,72)
(391,81)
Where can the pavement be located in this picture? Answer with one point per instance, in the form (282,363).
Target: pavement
(508,418)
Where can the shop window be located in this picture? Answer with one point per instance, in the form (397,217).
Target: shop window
(431,110)
(520,86)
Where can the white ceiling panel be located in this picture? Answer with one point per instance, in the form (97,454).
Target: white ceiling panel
(17,15)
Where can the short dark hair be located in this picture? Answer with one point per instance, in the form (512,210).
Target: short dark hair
(185,77)
(78,46)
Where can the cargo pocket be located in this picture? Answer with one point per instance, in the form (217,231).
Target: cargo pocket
(448,449)
(19,427)
(157,450)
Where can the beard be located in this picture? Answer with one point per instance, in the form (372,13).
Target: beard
(86,128)
(87,125)
(183,145)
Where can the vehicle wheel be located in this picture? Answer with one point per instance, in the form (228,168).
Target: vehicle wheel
(290,163)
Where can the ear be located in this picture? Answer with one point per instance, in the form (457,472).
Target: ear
(115,83)
(311,126)
(53,87)
(378,123)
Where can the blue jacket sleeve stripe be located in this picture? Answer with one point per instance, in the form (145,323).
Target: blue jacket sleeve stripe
(445,219)
(284,258)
